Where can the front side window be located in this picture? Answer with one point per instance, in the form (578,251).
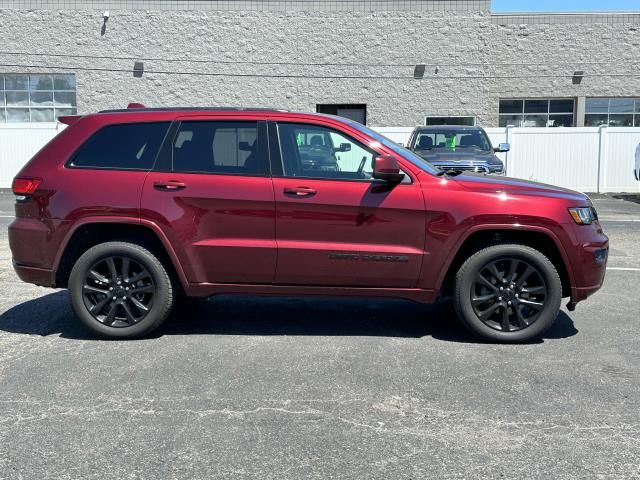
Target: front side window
(537,112)
(613,112)
(218,147)
(36,98)
(122,147)
(452,139)
(317,152)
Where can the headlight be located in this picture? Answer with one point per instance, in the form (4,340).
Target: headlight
(583,215)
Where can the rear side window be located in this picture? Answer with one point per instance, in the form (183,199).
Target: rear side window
(219,147)
(123,147)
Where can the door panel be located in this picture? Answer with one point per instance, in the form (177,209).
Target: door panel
(349,233)
(335,224)
(220,221)
(223,226)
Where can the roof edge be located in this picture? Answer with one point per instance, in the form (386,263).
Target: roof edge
(536,14)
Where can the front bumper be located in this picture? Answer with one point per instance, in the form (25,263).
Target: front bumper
(591,268)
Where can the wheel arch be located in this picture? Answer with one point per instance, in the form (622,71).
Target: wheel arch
(538,238)
(91,232)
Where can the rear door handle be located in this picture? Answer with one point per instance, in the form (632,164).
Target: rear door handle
(169,186)
(300,191)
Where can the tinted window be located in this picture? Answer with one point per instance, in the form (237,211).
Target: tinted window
(537,112)
(467,121)
(356,112)
(317,152)
(511,106)
(218,147)
(126,147)
(615,112)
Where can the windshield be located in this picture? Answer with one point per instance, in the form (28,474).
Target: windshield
(452,139)
(396,148)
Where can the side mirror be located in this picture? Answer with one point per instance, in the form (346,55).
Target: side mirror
(503,147)
(245,147)
(387,168)
(401,144)
(344,147)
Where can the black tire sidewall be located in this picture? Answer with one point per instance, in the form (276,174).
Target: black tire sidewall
(163,296)
(464,282)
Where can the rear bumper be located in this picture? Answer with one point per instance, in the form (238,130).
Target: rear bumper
(35,275)
(34,243)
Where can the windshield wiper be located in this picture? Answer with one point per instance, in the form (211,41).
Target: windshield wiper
(449,173)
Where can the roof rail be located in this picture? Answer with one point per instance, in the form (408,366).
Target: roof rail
(181,109)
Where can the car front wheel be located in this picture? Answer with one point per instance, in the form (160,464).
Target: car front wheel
(120,290)
(508,293)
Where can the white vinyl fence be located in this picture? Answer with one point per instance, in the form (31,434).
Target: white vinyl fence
(19,142)
(584,159)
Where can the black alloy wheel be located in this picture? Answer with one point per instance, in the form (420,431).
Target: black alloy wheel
(121,290)
(118,291)
(508,294)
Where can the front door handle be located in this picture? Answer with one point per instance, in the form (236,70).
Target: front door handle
(300,191)
(169,186)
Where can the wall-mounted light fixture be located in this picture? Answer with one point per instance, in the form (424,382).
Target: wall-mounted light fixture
(138,69)
(578,75)
(105,19)
(418,72)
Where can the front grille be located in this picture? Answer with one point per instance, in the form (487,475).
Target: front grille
(474,167)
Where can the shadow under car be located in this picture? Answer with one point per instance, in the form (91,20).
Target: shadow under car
(252,315)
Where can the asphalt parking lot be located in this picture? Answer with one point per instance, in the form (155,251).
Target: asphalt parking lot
(300,388)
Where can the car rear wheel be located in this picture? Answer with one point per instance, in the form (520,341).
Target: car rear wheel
(508,293)
(120,290)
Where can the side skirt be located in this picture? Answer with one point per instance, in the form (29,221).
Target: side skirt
(209,289)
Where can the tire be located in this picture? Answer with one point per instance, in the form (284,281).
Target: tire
(495,301)
(144,296)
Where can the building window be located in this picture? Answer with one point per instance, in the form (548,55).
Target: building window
(36,98)
(355,112)
(614,112)
(463,121)
(537,112)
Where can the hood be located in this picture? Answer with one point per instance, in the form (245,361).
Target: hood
(488,183)
(447,156)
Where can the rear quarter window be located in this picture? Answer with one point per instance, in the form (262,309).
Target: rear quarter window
(122,147)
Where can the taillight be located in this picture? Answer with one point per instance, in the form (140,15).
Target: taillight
(24,187)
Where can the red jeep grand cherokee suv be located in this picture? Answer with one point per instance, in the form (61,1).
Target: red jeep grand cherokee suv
(130,209)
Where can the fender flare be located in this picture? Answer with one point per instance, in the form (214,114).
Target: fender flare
(122,220)
(486,227)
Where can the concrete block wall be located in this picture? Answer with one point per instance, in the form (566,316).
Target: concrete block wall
(320,55)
